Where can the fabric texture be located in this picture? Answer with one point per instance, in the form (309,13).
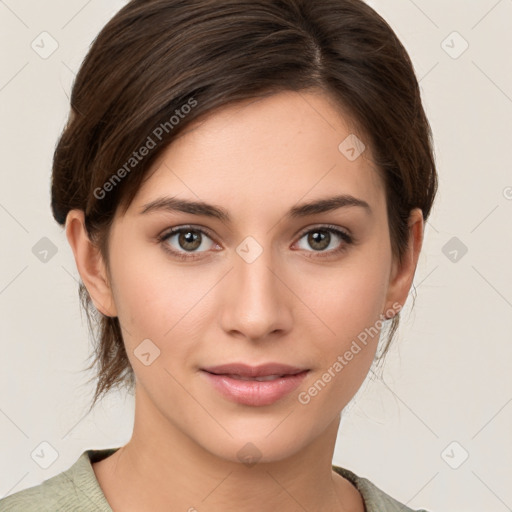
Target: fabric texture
(78,490)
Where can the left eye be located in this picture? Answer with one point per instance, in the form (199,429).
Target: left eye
(321,239)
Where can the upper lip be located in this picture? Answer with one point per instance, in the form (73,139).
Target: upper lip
(245,370)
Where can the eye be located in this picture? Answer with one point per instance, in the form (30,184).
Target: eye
(185,242)
(188,240)
(321,240)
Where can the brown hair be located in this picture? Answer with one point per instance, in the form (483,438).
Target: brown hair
(154,57)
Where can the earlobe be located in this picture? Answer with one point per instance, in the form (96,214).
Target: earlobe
(90,264)
(402,275)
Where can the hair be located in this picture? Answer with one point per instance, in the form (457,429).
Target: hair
(159,65)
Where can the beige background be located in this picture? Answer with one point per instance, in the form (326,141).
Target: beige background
(446,392)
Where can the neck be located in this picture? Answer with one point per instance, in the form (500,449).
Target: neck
(162,469)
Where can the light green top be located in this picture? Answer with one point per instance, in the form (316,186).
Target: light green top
(77,489)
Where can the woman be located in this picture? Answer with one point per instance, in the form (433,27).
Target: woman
(244,186)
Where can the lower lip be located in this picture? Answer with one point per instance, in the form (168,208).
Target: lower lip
(253,392)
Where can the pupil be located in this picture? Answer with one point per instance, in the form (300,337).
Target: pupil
(318,237)
(188,240)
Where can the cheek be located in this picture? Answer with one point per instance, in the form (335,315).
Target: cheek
(157,299)
(346,333)
(346,350)
(348,298)
(141,288)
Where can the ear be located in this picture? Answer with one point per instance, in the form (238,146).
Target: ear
(402,276)
(90,264)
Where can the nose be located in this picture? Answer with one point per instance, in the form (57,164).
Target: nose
(256,301)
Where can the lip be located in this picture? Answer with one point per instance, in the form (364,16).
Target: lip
(246,370)
(253,392)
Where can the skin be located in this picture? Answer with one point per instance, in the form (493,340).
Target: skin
(294,304)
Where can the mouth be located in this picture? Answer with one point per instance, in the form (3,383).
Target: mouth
(242,370)
(264,378)
(255,385)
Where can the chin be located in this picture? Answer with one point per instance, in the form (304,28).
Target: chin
(264,441)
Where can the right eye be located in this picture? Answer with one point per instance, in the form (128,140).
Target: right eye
(187,242)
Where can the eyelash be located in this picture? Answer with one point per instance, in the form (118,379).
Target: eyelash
(347,239)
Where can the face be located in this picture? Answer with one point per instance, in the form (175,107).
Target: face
(264,280)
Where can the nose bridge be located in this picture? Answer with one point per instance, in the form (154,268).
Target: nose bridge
(257,303)
(256,280)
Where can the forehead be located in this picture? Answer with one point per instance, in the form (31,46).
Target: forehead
(266,153)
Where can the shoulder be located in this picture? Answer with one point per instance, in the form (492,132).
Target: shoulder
(375,499)
(73,489)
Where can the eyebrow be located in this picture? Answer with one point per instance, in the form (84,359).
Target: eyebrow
(173,204)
